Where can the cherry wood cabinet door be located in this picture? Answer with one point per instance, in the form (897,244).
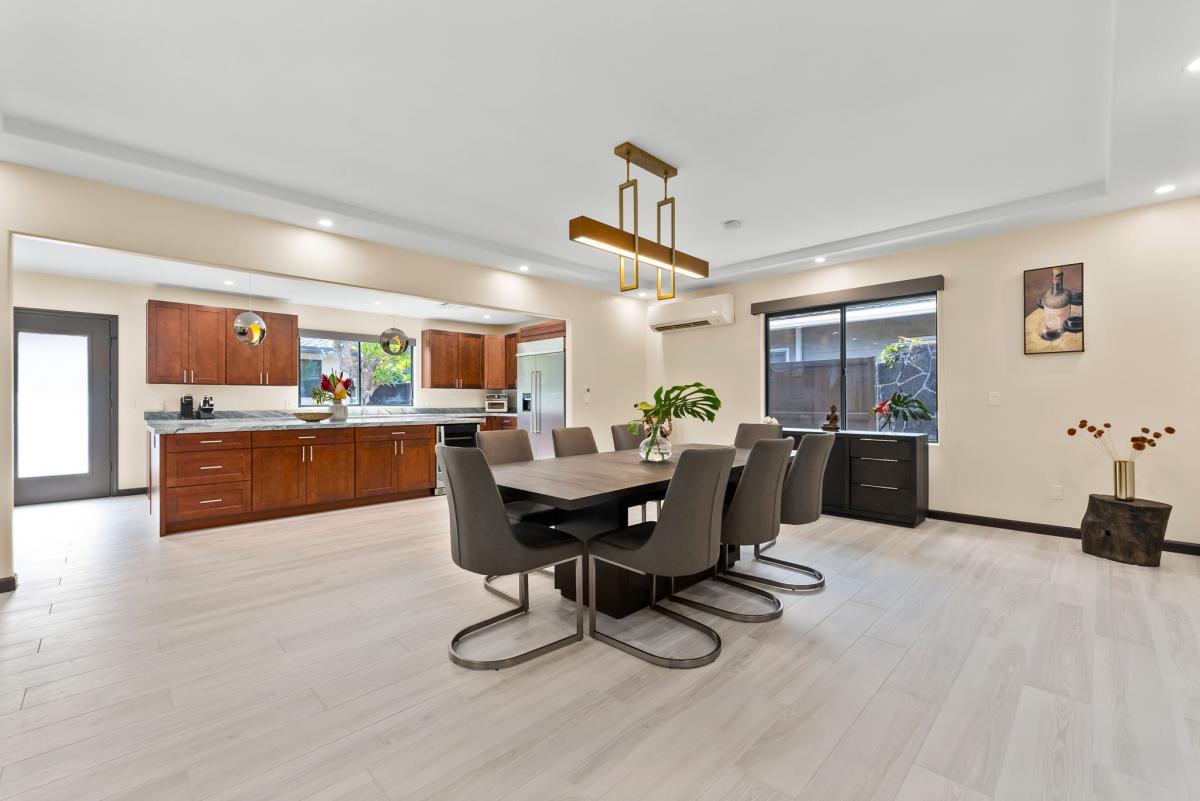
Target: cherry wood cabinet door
(375,465)
(439,359)
(510,360)
(470,361)
(206,344)
(279,477)
(166,342)
(281,350)
(243,363)
(330,472)
(416,466)
(493,361)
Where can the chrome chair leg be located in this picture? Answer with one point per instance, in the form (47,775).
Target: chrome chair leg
(630,648)
(522,608)
(488,584)
(817,584)
(775,606)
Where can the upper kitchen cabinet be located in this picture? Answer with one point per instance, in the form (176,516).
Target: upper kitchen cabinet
(451,360)
(185,344)
(274,363)
(493,362)
(510,360)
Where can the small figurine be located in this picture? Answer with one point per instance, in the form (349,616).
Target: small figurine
(831,420)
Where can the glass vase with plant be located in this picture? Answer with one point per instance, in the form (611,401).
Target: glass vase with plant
(901,406)
(333,389)
(685,400)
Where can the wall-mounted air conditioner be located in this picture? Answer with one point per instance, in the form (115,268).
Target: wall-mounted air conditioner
(706,312)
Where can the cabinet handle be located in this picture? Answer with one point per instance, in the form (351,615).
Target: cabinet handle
(211,441)
(211,467)
(185,376)
(872,439)
(268,381)
(310,453)
(309,436)
(193,376)
(876,459)
(302,454)
(214,500)
(401,447)
(397,433)
(879,486)
(260,378)
(394,451)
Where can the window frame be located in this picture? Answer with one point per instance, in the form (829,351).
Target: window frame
(840,308)
(358,339)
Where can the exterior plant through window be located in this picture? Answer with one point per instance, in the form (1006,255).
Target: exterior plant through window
(853,355)
(380,379)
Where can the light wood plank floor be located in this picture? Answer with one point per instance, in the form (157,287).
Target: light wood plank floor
(305,659)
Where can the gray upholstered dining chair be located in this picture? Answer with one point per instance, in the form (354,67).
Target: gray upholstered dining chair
(684,541)
(577,441)
(483,540)
(623,440)
(802,496)
(750,433)
(752,519)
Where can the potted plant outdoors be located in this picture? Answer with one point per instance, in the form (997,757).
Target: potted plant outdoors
(334,389)
(685,400)
(901,406)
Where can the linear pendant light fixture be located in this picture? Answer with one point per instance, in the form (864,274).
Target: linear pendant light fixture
(630,244)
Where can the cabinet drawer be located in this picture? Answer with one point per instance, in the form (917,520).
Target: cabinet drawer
(881,499)
(508,423)
(887,472)
(398,431)
(881,447)
(175,443)
(215,500)
(207,467)
(303,436)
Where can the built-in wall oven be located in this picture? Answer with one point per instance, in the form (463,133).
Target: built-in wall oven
(453,435)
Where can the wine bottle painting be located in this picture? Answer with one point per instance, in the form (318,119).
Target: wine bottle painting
(1054,309)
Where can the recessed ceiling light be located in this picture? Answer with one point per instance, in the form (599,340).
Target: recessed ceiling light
(1165,189)
(379,303)
(731,225)
(819,259)
(1193,67)
(524,268)
(643,294)
(228,283)
(487,316)
(325,222)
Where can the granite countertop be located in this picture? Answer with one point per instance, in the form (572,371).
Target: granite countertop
(170,423)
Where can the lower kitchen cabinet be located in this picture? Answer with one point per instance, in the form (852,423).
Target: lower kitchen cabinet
(416,466)
(401,462)
(280,477)
(330,473)
(375,469)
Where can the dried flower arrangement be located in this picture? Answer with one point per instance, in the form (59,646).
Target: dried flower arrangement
(1137,443)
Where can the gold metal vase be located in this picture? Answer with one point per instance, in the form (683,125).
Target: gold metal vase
(1123,480)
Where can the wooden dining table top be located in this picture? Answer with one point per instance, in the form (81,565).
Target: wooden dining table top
(577,482)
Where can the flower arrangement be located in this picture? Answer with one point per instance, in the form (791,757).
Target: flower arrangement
(332,389)
(1138,443)
(684,400)
(901,406)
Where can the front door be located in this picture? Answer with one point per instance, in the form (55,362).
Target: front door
(66,388)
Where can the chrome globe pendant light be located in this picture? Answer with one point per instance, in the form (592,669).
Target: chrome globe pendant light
(249,327)
(393,340)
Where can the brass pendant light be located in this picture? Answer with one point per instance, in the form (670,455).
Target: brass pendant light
(249,327)
(393,340)
(630,244)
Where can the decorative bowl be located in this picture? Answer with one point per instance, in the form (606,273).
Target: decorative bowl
(312,417)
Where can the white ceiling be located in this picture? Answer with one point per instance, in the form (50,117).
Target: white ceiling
(36,255)
(477,129)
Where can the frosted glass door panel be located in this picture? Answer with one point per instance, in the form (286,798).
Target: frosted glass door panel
(52,396)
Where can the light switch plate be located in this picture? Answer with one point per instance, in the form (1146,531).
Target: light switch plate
(1056,491)
(993,399)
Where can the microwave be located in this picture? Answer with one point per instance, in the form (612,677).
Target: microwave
(495,402)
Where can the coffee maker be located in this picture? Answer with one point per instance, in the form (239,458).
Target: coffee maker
(186,409)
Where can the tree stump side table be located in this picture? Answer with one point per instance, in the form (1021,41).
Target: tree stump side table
(1125,531)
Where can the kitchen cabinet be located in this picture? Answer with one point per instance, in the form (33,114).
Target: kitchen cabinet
(206,345)
(280,477)
(391,462)
(375,469)
(273,363)
(510,360)
(416,466)
(499,422)
(451,360)
(330,475)
(166,342)
(493,362)
(547,330)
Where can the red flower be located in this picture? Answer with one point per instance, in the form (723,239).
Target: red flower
(326,385)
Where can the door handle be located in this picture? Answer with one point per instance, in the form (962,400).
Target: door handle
(214,500)
(211,441)
(212,467)
(875,439)
(401,447)
(268,377)
(310,453)
(880,486)
(302,459)
(394,451)
(876,459)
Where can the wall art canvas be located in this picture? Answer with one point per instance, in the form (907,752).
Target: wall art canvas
(1053,299)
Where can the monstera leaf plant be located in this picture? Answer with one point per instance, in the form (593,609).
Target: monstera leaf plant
(684,400)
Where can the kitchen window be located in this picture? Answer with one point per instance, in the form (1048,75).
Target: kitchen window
(380,378)
(852,355)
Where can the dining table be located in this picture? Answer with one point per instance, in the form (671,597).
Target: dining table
(596,491)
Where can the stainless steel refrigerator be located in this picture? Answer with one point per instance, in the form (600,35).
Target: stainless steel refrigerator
(541,391)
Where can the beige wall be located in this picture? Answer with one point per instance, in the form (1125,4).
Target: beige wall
(606,334)
(135,396)
(1142,279)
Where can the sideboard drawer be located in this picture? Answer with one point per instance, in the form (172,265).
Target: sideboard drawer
(881,447)
(222,441)
(881,499)
(303,436)
(887,472)
(207,467)
(216,500)
(398,431)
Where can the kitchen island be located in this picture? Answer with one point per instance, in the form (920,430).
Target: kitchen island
(235,469)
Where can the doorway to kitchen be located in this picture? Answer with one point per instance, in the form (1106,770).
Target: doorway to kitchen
(65,423)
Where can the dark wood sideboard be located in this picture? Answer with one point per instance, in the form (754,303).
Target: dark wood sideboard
(876,476)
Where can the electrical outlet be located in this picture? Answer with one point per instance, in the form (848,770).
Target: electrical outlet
(1056,491)
(993,399)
